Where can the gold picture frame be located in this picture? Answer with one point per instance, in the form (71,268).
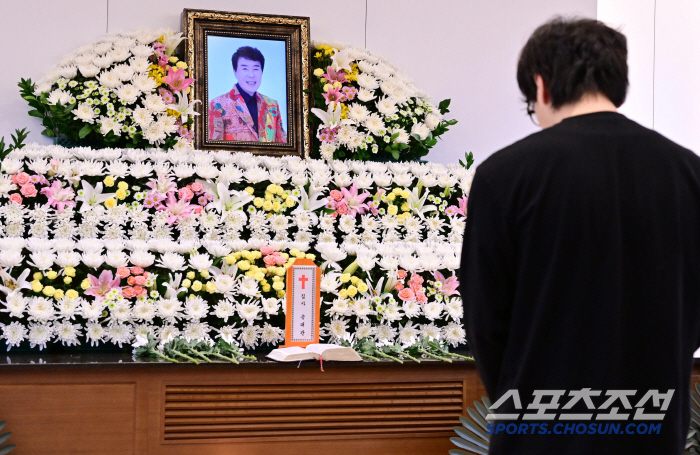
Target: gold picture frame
(218,129)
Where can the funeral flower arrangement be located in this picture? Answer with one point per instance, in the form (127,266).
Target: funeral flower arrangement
(126,90)
(366,108)
(122,246)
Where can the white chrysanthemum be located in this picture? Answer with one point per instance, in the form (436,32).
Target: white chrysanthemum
(10,258)
(102,48)
(39,335)
(172,261)
(68,308)
(91,310)
(169,309)
(14,334)
(248,311)
(408,334)
(119,54)
(364,330)
(365,95)
(67,333)
(88,70)
(228,333)
(197,331)
(144,83)
(59,96)
(116,259)
(123,72)
(385,334)
(128,94)
(15,304)
(120,311)
(386,106)
(224,310)
(196,308)
(362,308)
(95,333)
(411,308)
(201,261)
(431,331)
(108,124)
(374,124)
(367,81)
(92,259)
(154,102)
(271,306)
(453,334)
(271,334)
(248,287)
(142,50)
(183,171)
(168,333)
(327,150)
(120,334)
(109,79)
(337,330)
(432,121)
(144,311)
(42,259)
(250,336)
(84,113)
(454,309)
(139,65)
(420,130)
(12,166)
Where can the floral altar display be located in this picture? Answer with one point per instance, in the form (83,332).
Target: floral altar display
(371,109)
(173,250)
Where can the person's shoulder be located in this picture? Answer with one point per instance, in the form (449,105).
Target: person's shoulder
(220,99)
(269,101)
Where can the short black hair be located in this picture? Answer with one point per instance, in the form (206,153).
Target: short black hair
(250,53)
(574,57)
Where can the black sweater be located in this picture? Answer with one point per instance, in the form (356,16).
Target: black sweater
(581,269)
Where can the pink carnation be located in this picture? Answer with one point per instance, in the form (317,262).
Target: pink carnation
(123,272)
(28,190)
(267,250)
(196,187)
(336,195)
(140,280)
(20,178)
(128,292)
(270,260)
(136,270)
(16,198)
(406,294)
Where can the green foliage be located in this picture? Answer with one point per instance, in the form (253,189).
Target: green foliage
(17,143)
(192,351)
(472,436)
(5,448)
(469,158)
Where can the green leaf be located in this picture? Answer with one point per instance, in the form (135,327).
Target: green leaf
(443,106)
(395,154)
(29,97)
(35,113)
(394,136)
(84,131)
(48,132)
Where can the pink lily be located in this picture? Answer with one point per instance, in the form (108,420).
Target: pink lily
(449,286)
(162,185)
(99,287)
(59,197)
(176,80)
(463,205)
(334,95)
(355,202)
(177,208)
(334,76)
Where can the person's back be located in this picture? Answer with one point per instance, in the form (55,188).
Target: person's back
(581,270)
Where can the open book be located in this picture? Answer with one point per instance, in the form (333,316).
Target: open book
(313,352)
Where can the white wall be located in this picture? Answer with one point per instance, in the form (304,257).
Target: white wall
(664,60)
(455,49)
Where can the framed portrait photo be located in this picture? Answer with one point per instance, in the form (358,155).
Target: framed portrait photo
(252,75)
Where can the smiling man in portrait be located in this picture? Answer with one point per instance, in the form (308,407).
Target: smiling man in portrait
(243,114)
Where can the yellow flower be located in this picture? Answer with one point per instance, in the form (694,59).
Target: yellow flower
(204,273)
(111,202)
(405,194)
(237,255)
(109,181)
(38,275)
(345,277)
(49,291)
(186,283)
(121,195)
(123,186)
(69,271)
(197,286)
(231,259)
(362,287)
(278,285)
(276,278)
(354,280)
(326,87)
(256,254)
(318,72)
(51,275)
(244,265)
(85,284)
(211,288)
(276,206)
(272,188)
(289,202)
(173,59)
(280,294)
(352,291)
(37,287)
(258,202)
(343,293)
(391,197)
(293,251)
(190,275)
(181,64)
(281,271)
(336,84)
(392,210)
(310,256)
(328,51)
(259,276)
(250,190)
(269,196)
(318,55)
(401,218)
(266,288)
(267,206)
(58,294)
(72,294)
(405,207)
(68,280)
(397,191)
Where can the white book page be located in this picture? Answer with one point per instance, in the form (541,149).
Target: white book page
(319,348)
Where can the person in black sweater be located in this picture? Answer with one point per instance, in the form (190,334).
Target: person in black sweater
(580,270)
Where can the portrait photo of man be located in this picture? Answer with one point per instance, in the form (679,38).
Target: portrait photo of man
(243,113)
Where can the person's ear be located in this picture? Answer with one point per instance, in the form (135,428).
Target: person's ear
(543,95)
